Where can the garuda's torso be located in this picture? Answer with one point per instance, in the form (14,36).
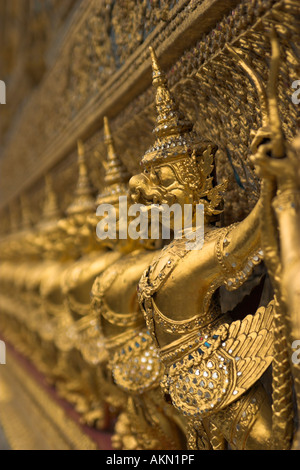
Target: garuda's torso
(52,299)
(81,331)
(134,360)
(209,360)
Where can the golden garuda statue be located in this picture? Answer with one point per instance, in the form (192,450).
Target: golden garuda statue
(213,363)
(184,337)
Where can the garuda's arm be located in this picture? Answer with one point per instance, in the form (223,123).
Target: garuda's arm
(238,249)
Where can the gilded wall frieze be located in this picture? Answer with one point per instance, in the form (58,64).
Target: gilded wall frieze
(212,90)
(174,106)
(58,93)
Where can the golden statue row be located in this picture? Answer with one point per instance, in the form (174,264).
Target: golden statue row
(134,329)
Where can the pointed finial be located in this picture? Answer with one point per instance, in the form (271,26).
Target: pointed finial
(109,142)
(170,121)
(173,131)
(158,76)
(107,132)
(116,174)
(84,193)
(81,158)
(4,217)
(115,169)
(51,211)
(26,215)
(14,216)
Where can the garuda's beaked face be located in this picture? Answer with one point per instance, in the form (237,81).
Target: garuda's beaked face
(159,184)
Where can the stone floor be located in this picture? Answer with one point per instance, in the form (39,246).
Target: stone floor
(3,442)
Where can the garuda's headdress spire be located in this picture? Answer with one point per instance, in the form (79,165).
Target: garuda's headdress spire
(51,211)
(116,175)
(170,121)
(177,144)
(84,201)
(14,216)
(26,214)
(173,131)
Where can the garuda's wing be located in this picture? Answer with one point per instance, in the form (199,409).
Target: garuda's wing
(230,361)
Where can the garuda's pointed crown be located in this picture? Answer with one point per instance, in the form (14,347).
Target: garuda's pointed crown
(51,211)
(174,136)
(116,175)
(84,201)
(26,214)
(176,143)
